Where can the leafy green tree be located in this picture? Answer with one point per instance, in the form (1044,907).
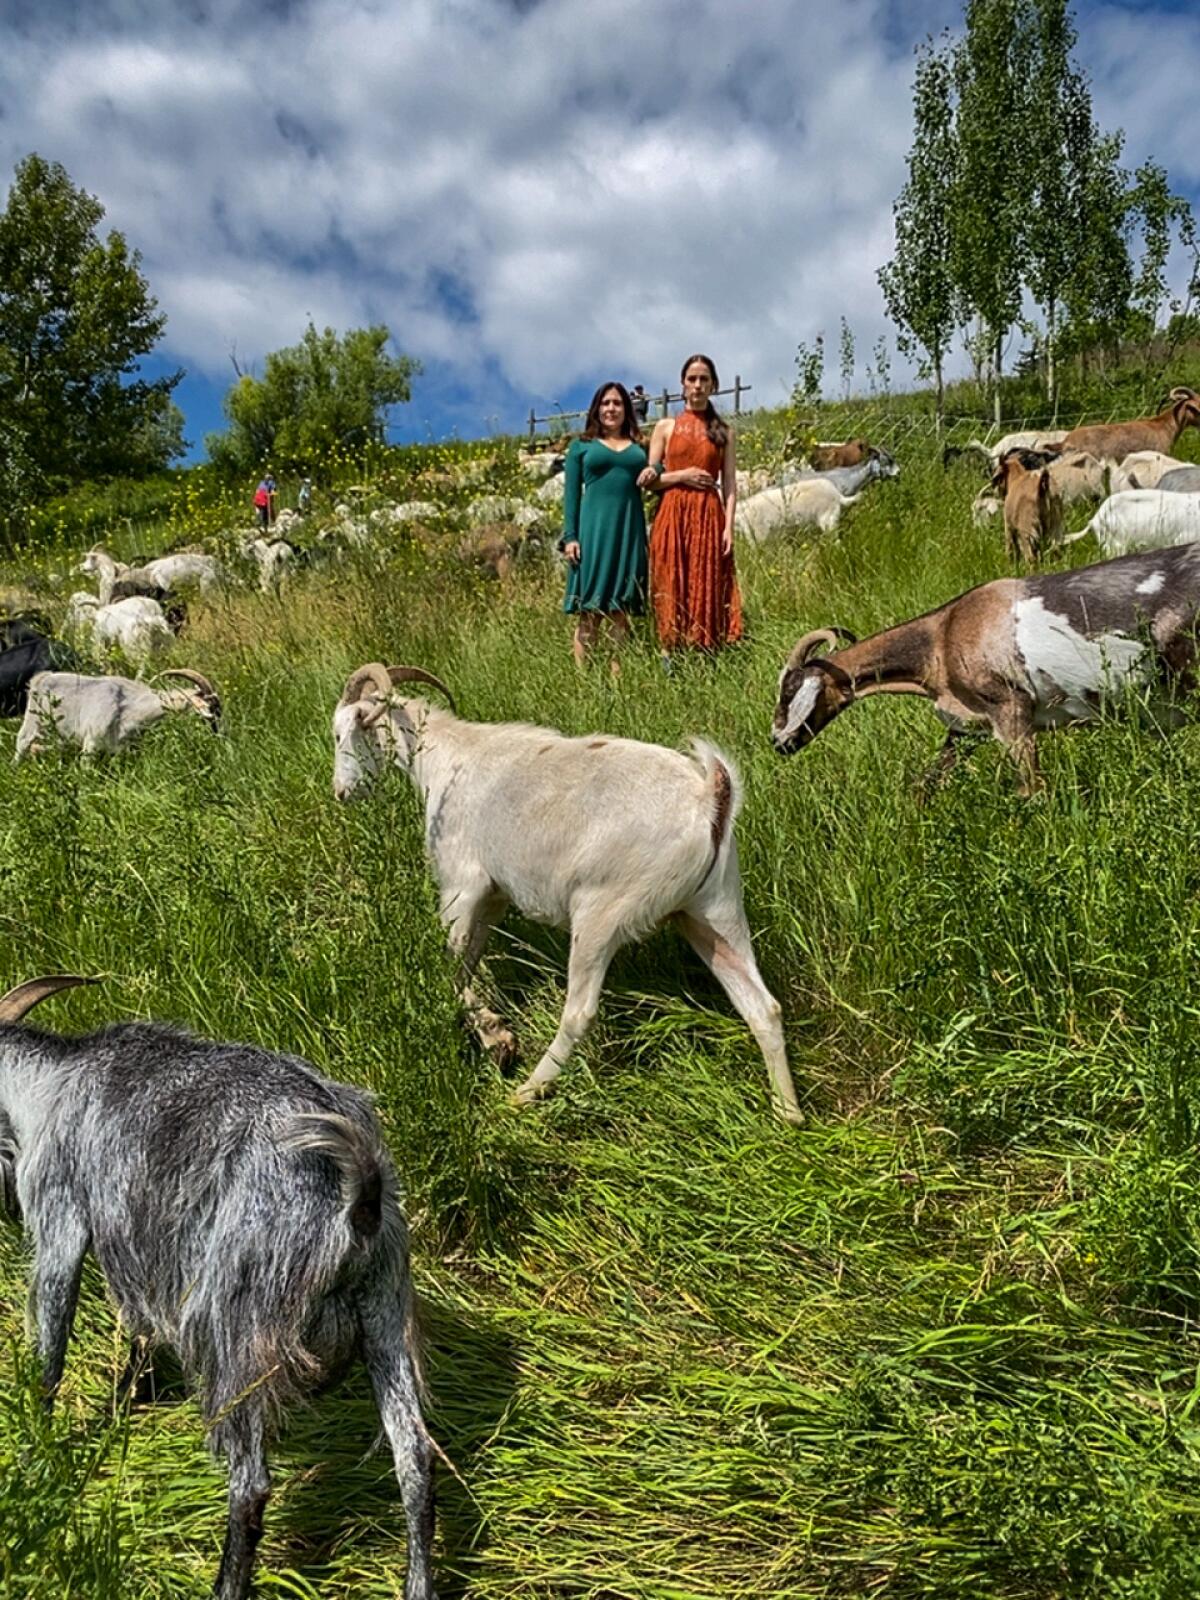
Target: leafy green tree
(1161,219)
(918,282)
(323,393)
(1062,138)
(76,316)
(1096,296)
(992,73)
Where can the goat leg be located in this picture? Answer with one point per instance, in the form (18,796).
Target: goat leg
(249,1489)
(387,1336)
(593,945)
(471,918)
(54,1291)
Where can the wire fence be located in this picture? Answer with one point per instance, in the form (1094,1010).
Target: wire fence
(662,403)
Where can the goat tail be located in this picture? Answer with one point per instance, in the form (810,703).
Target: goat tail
(725,786)
(356,1156)
(1074,538)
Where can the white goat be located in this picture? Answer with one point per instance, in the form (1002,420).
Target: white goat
(184,567)
(1144,469)
(137,626)
(809,503)
(1143,519)
(101,714)
(608,837)
(272,557)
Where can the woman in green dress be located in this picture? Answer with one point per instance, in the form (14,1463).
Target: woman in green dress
(604,526)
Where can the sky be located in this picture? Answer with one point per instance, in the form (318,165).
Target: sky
(535,196)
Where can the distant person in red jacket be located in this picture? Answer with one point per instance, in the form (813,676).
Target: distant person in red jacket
(264,502)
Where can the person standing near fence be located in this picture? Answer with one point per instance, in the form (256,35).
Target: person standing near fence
(692,462)
(264,501)
(604,525)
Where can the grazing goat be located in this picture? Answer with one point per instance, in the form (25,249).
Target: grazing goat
(608,837)
(1113,441)
(1041,443)
(808,503)
(138,626)
(154,578)
(26,649)
(1183,480)
(1143,469)
(827,455)
(1016,655)
(1143,519)
(243,1210)
(102,714)
(273,559)
(878,464)
(1032,509)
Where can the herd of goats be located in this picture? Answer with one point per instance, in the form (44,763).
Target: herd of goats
(243,1208)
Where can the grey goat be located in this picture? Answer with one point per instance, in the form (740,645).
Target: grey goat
(244,1211)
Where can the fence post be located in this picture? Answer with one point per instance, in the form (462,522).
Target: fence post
(532,425)
(737,394)
(662,400)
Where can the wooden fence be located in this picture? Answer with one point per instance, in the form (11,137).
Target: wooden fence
(662,401)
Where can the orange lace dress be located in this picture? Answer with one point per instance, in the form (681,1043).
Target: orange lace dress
(692,582)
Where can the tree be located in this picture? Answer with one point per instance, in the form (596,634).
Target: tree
(1062,138)
(76,315)
(918,282)
(991,73)
(325,392)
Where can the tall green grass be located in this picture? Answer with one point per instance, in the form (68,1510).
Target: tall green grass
(941,1341)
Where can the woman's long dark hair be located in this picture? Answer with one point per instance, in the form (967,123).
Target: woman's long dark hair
(718,429)
(629,422)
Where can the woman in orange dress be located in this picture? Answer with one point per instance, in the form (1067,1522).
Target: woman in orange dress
(692,582)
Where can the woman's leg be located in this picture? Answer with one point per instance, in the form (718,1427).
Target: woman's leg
(584,642)
(621,635)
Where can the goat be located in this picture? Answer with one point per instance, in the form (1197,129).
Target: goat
(1143,519)
(875,465)
(826,455)
(542,464)
(605,836)
(1016,655)
(243,1210)
(101,714)
(138,626)
(1183,480)
(154,578)
(272,557)
(1032,509)
(26,649)
(1143,469)
(810,502)
(1113,441)
(1042,443)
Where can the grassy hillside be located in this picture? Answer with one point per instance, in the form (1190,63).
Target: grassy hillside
(941,1341)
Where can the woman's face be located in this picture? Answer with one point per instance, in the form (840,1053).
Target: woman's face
(612,411)
(697,385)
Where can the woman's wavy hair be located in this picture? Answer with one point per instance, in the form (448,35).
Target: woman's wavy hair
(629,423)
(718,428)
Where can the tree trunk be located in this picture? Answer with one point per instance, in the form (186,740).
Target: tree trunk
(1051,363)
(941,396)
(998,359)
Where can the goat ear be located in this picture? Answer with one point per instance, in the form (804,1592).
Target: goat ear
(1044,484)
(17,1002)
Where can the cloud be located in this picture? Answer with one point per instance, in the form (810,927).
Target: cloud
(532,196)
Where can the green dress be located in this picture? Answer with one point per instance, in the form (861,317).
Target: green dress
(602,508)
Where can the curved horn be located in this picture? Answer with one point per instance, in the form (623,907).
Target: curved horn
(17,1002)
(1182,393)
(374,674)
(831,637)
(198,678)
(419,675)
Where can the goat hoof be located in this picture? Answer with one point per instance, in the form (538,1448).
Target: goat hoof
(790,1114)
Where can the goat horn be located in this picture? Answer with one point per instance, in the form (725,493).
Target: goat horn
(1182,393)
(374,674)
(419,675)
(832,637)
(198,678)
(17,1002)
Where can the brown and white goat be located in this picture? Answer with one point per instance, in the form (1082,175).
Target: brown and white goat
(1033,516)
(1017,655)
(1113,441)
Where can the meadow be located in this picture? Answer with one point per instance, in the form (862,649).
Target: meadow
(940,1341)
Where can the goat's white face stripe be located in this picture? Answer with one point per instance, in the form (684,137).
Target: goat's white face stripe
(1068,671)
(801,708)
